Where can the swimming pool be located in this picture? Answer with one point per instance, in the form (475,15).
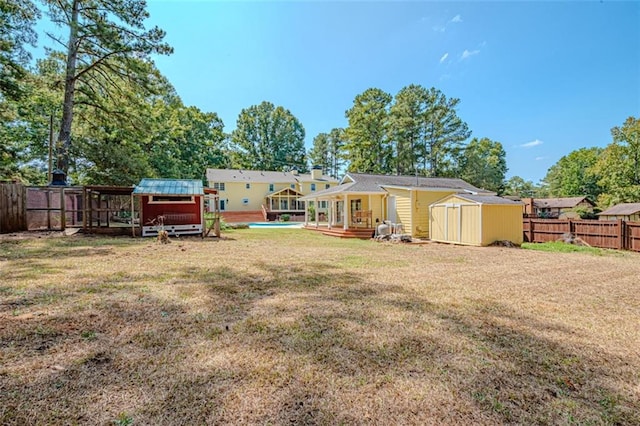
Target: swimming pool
(275,225)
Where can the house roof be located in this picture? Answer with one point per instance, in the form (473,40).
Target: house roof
(560,203)
(487,199)
(624,209)
(262,176)
(362,183)
(169,187)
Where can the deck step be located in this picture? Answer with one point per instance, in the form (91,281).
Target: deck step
(363,233)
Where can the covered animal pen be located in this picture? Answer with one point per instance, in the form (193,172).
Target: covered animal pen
(477,220)
(173,205)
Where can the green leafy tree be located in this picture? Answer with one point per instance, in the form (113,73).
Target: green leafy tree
(319,152)
(519,187)
(444,134)
(27,122)
(327,151)
(336,141)
(17,19)
(483,163)
(574,175)
(368,148)
(268,138)
(408,120)
(619,165)
(187,141)
(106,38)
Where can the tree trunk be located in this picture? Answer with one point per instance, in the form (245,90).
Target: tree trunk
(64,137)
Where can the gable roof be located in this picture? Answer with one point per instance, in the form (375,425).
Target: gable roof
(361,183)
(262,176)
(624,209)
(560,203)
(373,182)
(169,187)
(487,199)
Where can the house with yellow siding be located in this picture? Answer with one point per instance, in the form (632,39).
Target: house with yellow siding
(361,202)
(257,195)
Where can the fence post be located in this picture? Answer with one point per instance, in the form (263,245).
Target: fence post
(570,225)
(530,230)
(621,226)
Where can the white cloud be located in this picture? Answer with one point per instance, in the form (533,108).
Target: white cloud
(439,29)
(444,57)
(467,54)
(539,158)
(456,18)
(531,144)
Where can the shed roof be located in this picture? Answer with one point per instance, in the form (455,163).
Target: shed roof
(624,209)
(486,199)
(149,186)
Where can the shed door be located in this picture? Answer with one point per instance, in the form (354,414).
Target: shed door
(452,221)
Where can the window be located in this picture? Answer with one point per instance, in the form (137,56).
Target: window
(322,204)
(171,199)
(222,205)
(270,187)
(247,185)
(293,186)
(218,185)
(245,201)
(313,186)
(327,186)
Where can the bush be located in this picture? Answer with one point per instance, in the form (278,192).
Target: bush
(285,217)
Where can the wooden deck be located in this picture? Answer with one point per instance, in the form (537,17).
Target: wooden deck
(243,217)
(362,233)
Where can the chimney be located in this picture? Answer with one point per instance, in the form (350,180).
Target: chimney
(316,172)
(294,171)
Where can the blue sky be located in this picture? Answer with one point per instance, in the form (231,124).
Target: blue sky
(543,78)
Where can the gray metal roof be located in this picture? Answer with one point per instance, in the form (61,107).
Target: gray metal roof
(624,209)
(487,199)
(262,176)
(169,187)
(373,182)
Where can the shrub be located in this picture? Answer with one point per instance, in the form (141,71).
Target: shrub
(285,217)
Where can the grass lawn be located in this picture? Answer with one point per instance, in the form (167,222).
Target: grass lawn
(280,326)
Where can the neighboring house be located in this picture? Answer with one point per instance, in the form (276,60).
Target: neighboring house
(175,205)
(561,207)
(255,195)
(362,201)
(625,211)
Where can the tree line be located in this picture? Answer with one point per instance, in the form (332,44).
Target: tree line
(109,116)
(607,176)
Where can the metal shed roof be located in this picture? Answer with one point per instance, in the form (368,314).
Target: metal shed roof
(485,199)
(169,187)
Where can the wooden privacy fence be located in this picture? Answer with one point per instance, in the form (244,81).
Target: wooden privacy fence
(13,217)
(614,234)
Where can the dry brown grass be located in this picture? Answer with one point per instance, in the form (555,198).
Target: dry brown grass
(292,327)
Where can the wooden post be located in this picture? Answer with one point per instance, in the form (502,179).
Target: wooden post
(63,211)
(133,226)
(621,226)
(531,234)
(571,226)
(48,192)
